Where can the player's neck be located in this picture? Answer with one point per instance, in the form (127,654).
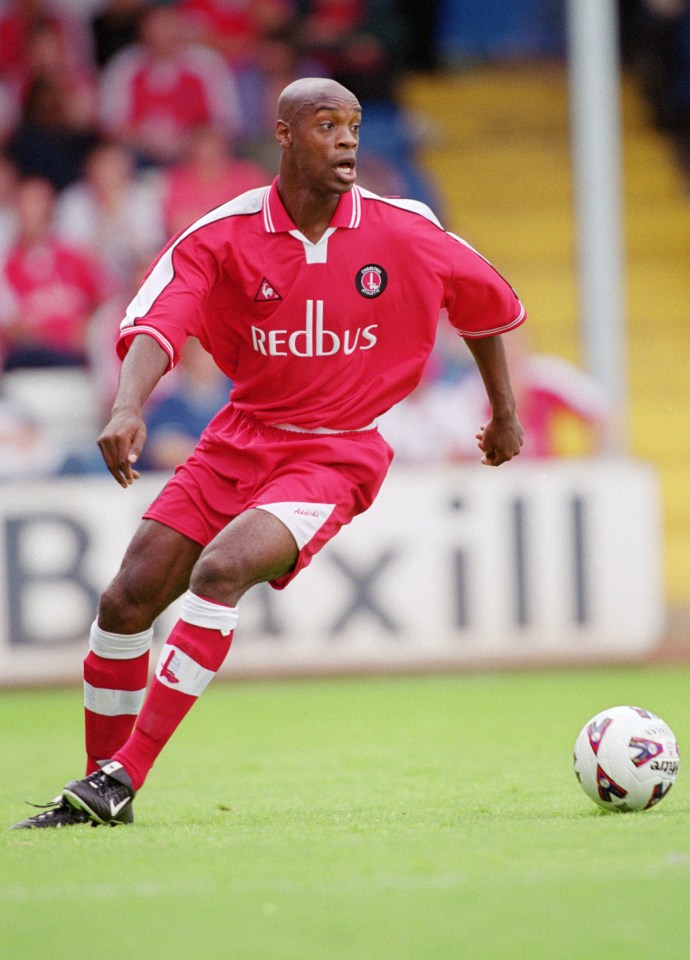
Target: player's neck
(310,212)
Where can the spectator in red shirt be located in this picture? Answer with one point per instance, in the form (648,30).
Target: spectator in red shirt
(155,92)
(234,29)
(21,19)
(208,175)
(49,57)
(48,290)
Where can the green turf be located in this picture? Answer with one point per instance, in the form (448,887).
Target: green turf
(380,819)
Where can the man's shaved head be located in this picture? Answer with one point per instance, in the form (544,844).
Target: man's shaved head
(304,95)
(318,132)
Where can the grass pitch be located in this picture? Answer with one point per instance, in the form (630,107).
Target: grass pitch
(378,819)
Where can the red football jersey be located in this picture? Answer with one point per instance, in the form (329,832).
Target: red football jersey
(56,288)
(326,335)
(193,88)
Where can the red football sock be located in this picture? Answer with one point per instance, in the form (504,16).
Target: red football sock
(115,676)
(188,662)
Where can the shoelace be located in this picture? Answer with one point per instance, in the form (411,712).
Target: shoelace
(99,782)
(56,805)
(51,805)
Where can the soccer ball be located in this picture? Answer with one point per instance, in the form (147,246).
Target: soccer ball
(626,758)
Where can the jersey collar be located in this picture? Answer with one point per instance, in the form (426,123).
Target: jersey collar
(348,213)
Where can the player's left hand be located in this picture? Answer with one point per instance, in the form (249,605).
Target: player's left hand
(500,440)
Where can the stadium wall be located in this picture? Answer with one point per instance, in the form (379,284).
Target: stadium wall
(454,567)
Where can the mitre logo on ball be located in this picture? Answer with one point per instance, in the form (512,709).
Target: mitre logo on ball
(371,280)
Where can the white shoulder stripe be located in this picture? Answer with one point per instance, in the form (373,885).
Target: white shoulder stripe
(412,206)
(163,272)
(465,244)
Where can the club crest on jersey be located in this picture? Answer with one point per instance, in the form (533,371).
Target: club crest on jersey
(266,292)
(371,280)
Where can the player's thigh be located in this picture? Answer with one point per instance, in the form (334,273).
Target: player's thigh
(256,546)
(155,571)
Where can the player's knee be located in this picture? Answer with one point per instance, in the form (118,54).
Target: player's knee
(125,608)
(219,577)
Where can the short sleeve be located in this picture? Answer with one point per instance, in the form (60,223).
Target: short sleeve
(170,303)
(479,301)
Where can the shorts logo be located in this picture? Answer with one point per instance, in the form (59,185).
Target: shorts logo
(371,280)
(266,291)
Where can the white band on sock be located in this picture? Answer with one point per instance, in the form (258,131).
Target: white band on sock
(177,670)
(205,613)
(112,703)
(119,646)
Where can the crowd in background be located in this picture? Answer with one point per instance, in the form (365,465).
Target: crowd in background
(121,121)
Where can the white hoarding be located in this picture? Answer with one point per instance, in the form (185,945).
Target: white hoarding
(453,566)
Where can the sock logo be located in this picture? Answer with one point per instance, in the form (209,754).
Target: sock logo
(167,668)
(181,672)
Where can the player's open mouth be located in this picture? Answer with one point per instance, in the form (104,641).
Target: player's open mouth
(346,169)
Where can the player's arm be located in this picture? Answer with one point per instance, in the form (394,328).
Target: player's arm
(502,437)
(122,439)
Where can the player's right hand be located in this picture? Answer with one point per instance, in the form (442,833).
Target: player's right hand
(121,443)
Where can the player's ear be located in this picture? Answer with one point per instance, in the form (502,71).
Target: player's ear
(283,133)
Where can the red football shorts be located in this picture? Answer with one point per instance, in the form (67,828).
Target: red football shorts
(315,483)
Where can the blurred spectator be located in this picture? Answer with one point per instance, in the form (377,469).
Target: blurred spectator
(235,28)
(208,175)
(549,393)
(46,143)
(155,92)
(362,43)
(48,290)
(114,26)
(22,20)
(340,34)
(112,212)
(329,22)
(48,57)
(192,394)
(438,422)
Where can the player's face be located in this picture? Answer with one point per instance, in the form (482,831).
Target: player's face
(324,144)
